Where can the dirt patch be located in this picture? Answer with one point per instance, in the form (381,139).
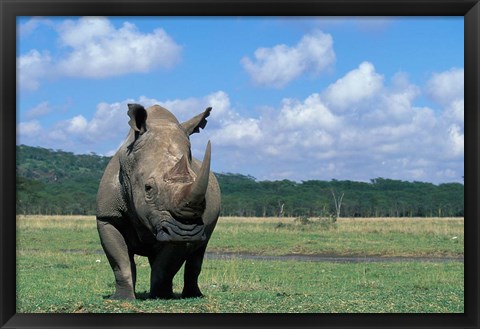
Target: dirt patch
(330,258)
(305,258)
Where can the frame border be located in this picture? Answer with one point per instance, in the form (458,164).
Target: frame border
(10,9)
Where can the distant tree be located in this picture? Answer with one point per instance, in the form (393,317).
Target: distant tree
(338,203)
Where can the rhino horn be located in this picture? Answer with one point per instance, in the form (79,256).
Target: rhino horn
(179,172)
(194,202)
(199,187)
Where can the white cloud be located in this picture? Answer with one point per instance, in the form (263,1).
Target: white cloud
(77,124)
(220,102)
(110,121)
(184,109)
(109,124)
(29,129)
(456,145)
(78,33)
(311,113)
(279,65)
(243,133)
(31,67)
(455,111)
(100,50)
(447,87)
(356,86)
(40,110)
(94,48)
(301,138)
(388,137)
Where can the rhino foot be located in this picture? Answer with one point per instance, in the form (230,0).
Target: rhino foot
(191,293)
(120,296)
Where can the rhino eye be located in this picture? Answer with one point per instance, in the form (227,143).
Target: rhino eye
(150,189)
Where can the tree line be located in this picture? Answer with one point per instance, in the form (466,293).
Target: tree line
(381,197)
(58,182)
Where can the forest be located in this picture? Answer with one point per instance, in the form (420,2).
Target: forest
(57,182)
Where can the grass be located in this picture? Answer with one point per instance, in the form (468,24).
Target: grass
(60,269)
(361,237)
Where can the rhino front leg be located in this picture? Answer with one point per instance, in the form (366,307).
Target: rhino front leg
(116,249)
(164,265)
(193,266)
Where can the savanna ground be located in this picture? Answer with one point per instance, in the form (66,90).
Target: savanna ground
(61,268)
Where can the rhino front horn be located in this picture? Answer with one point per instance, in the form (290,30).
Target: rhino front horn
(199,187)
(193,204)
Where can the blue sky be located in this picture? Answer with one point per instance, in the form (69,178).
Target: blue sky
(293,98)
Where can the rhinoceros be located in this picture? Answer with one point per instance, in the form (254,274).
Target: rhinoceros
(156,200)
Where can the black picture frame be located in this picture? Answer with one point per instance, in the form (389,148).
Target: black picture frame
(10,9)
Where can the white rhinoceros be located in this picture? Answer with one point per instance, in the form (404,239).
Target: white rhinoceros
(155,200)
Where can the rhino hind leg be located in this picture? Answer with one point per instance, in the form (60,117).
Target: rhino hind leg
(121,261)
(193,266)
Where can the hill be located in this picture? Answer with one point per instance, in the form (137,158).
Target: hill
(58,182)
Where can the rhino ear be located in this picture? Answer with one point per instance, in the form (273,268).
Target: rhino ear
(194,124)
(138,118)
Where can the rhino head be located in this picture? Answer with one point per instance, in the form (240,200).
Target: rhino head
(164,186)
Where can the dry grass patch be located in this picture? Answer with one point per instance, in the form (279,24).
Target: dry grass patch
(56,221)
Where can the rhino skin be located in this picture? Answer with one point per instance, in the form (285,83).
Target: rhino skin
(155,200)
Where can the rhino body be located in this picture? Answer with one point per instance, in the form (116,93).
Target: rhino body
(155,200)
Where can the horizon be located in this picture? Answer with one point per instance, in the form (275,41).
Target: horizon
(319,98)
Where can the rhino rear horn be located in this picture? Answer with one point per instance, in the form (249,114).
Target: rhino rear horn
(179,172)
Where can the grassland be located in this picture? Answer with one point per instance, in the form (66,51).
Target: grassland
(60,268)
(360,237)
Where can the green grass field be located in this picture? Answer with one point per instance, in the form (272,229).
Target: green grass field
(60,268)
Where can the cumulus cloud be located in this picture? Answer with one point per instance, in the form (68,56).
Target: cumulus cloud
(76,125)
(109,124)
(32,67)
(455,111)
(303,138)
(356,86)
(100,50)
(310,113)
(377,132)
(446,87)
(242,133)
(29,129)
(456,140)
(92,47)
(279,65)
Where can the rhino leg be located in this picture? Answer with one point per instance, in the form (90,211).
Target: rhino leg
(121,261)
(164,265)
(193,266)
